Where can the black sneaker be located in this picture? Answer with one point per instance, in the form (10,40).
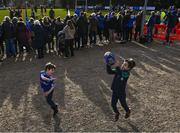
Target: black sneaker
(55,112)
(127,115)
(116,118)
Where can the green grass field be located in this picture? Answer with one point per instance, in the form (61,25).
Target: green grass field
(58,12)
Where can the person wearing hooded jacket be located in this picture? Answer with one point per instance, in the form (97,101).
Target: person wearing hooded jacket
(69,31)
(101,20)
(9,35)
(23,36)
(38,38)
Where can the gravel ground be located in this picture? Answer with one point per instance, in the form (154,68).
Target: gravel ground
(83,92)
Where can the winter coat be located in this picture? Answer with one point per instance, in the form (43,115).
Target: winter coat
(151,21)
(119,23)
(39,37)
(138,20)
(48,32)
(100,21)
(171,20)
(22,33)
(58,27)
(113,23)
(69,33)
(8,30)
(158,19)
(81,25)
(93,23)
(125,21)
(131,21)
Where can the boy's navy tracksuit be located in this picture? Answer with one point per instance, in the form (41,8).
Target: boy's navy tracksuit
(118,87)
(46,86)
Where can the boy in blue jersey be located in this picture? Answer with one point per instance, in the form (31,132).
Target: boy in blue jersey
(122,73)
(47,85)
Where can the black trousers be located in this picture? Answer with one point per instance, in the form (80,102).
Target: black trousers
(125,33)
(122,99)
(129,34)
(81,40)
(120,34)
(40,53)
(100,34)
(137,32)
(169,30)
(92,36)
(106,33)
(2,47)
(60,48)
(50,101)
(76,43)
(21,45)
(86,39)
(16,45)
(69,43)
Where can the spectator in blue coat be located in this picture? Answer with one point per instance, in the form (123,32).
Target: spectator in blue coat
(101,22)
(130,26)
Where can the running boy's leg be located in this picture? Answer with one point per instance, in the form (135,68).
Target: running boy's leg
(114,101)
(122,99)
(51,102)
(123,102)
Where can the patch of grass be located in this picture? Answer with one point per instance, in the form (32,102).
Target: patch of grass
(58,12)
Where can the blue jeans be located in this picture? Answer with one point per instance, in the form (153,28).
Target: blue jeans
(150,34)
(10,47)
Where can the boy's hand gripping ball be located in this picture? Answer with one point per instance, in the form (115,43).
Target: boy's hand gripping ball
(109,58)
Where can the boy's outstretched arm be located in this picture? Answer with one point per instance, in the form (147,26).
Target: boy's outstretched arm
(44,78)
(110,70)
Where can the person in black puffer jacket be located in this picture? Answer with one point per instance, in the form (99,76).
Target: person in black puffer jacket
(81,30)
(38,38)
(59,25)
(48,31)
(9,35)
(112,26)
(23,36)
